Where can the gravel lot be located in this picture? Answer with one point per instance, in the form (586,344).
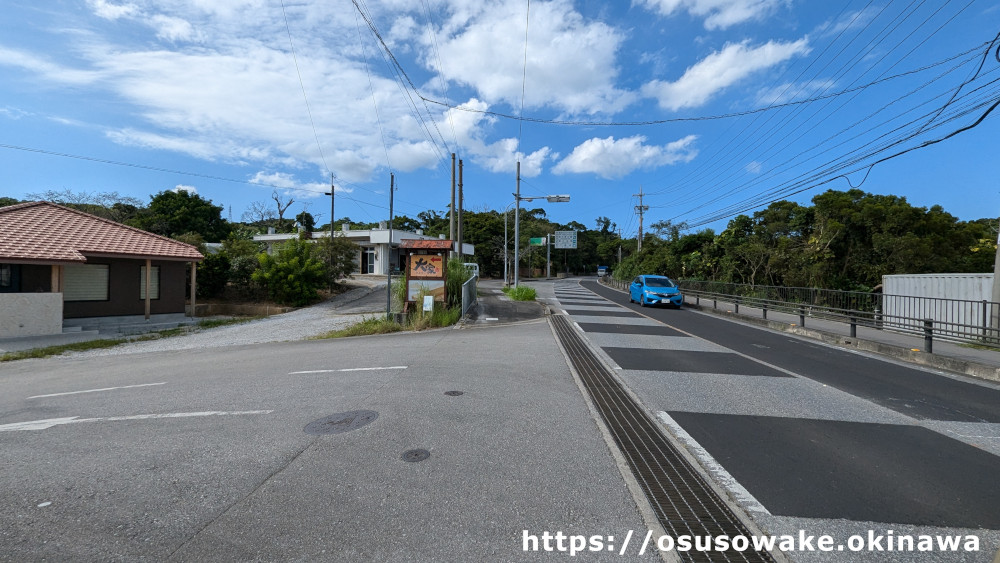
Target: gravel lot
(337,313)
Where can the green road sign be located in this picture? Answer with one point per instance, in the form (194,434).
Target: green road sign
(540,241)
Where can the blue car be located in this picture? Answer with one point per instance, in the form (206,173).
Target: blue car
(655,290)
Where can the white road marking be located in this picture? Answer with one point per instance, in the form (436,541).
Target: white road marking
(96,390)
(345,369)
(492,318)
(49,423)
(722,476)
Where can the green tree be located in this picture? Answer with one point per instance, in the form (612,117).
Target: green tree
(213,275)
(171,213)
(339,255)
(292,276)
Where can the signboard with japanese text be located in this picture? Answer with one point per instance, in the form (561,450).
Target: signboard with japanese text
(565,239)
(426,266)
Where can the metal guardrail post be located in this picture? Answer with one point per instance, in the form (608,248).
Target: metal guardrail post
(854,327)
(736,306)
(929,335)
(765,310)
(986,320)
(802,316)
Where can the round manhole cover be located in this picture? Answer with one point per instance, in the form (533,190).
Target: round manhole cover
(454,393)
(413,456)
(340,422)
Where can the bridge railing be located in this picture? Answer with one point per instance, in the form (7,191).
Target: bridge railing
(958,320)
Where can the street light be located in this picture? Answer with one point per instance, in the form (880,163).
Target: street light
(559,198)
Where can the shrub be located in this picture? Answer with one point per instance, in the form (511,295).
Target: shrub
(458,274)
(520,293)
(293,275)
(213,275)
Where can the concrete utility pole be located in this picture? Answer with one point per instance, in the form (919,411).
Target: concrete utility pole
(640,209)
(388,258)
(451,212)
(461,203)
(995,298)
(330,193)
(517,230)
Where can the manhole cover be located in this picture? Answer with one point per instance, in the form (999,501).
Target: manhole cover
(413,456)
(454,393)
(340,422)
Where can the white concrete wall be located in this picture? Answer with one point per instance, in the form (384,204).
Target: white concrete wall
(30,314)
(923,296)
(972,287)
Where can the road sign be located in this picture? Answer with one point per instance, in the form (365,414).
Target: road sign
(540,241)
(565,239)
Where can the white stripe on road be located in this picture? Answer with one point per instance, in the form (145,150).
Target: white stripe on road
(49,423)
(345,369)
(96,390)
(722,476)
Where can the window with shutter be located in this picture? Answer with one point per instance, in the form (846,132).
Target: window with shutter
(86,282)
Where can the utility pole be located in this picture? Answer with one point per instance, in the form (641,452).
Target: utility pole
(461,204)
(388,258)
(517,231)
(332,191)
(451,212)
(640,209)
(995,297)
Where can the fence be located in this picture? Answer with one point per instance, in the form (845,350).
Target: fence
(470,293)
(957,320)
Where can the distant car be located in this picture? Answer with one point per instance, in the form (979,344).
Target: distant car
(602,271)
(655,290)
(473,268)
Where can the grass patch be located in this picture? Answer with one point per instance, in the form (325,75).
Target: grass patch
(74,347)
(440,317)
(111,342)
(367,327)
(520,293)
(214,323)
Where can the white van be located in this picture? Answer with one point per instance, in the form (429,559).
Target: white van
(472,267)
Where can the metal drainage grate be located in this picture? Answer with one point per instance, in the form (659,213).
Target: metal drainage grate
(414,456)
(454,393)
(340,422)
(682,501)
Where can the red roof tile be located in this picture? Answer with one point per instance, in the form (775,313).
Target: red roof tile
(46,232)
(433,244)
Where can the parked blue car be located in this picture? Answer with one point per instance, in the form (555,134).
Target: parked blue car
(655,290)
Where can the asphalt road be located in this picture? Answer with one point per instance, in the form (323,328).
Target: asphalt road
(202,455)
(809,436)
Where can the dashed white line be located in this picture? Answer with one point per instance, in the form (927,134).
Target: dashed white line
(97,390)
(345,369)
(49,423)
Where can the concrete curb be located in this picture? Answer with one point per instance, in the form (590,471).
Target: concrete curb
(964,367)
(936,361)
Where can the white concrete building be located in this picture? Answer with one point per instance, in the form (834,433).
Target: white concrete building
(376,254)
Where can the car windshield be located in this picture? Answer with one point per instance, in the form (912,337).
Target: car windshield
(660,282)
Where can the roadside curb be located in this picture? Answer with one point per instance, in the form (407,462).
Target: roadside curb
(936,361)
(964,367)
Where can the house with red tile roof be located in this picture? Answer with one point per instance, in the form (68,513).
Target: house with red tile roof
(58,263)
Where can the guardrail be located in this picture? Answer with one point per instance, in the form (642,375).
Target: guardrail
(470,294)
(957,320)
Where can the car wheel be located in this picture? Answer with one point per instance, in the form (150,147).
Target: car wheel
(642,303)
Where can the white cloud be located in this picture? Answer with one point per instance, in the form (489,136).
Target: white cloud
(46,68)
(470,128)
(612,159)
(171,28)
(720,70)
(718,14)
(571,62)
(109,11)
(288,183)
(182,188)
(791,91)
(754,167)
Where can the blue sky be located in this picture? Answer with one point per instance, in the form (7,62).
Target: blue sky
(711,107)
